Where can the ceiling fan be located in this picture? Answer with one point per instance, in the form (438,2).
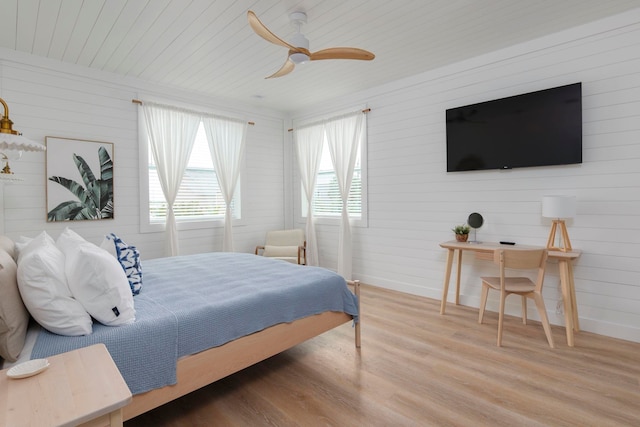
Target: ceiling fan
(299,46)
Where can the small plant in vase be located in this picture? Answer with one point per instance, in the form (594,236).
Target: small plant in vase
(462,232)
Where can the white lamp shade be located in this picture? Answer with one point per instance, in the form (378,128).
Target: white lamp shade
(558,206)
(13,142)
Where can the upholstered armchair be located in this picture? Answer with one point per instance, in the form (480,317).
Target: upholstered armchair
(287,245)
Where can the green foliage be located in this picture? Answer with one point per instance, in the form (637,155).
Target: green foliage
(95,199)
(461,229)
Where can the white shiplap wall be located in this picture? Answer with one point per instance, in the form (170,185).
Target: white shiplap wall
(49,98)
(413,202)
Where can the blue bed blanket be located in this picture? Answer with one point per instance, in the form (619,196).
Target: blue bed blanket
(191,303)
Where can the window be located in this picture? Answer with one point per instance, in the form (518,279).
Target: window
(326,198)
(199,202)
(327,203)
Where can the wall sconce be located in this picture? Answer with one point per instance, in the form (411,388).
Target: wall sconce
(12,144)
(12,141)
(559,208)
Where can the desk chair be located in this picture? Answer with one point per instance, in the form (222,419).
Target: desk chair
(287,245)
(521,260)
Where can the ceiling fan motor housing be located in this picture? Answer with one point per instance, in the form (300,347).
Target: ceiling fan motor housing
(299,40)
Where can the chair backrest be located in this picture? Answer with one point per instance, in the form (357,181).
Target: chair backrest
(294,237)
(519,259)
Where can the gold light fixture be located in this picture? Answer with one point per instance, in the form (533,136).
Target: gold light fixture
(12,141)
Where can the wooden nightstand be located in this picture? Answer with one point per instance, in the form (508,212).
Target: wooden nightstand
(81,387)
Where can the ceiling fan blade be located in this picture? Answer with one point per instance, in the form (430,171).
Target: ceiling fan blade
(342,53)
(284,70)
(260,29)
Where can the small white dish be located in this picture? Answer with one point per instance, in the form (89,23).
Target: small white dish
(28,369)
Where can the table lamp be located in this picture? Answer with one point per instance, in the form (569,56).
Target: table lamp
(559,208)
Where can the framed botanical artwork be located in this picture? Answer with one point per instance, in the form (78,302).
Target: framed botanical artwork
(79,179)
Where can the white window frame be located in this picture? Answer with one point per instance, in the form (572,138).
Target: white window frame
(146,226)
(301,198)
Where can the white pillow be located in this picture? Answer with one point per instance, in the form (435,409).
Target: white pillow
(97,280)
(23,241)
(44,289)
(108,245)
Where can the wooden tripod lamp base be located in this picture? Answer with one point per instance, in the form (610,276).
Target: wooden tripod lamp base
(565,243)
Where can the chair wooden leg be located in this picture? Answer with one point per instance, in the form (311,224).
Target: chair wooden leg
(483,301)
(524,310)
(543,317)
(503,297)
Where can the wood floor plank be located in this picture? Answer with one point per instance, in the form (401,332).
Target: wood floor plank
(419,368)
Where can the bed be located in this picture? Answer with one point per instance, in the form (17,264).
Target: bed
(202,317)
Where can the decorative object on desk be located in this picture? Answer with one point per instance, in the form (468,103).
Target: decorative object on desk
(94,200)
(12,144)
(475,221)
(559,208)
(461,232)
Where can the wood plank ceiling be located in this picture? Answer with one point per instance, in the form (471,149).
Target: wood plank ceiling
(207,46)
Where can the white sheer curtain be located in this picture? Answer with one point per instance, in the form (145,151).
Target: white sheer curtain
(171,133)
(344,134)
(308,145)
(226,139)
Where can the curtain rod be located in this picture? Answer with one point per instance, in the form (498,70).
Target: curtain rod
(137,101)
(365,111)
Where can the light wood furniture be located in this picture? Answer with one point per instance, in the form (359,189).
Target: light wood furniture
(81,387)
(485,251)
(559,208)
(198,370)
(523,286)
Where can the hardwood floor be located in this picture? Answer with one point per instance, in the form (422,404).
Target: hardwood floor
(418,368)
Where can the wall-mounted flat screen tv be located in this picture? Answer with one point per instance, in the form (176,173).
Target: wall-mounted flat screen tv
(540,128)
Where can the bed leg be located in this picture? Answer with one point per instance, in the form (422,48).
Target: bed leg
(356,291)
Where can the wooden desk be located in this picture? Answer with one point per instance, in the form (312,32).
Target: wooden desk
(81,387)
(485,251)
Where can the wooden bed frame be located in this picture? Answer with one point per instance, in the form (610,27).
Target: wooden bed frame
(201,369)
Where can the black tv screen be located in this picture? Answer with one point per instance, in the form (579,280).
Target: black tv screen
(540,128)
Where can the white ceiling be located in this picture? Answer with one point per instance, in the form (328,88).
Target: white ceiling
(207,46)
